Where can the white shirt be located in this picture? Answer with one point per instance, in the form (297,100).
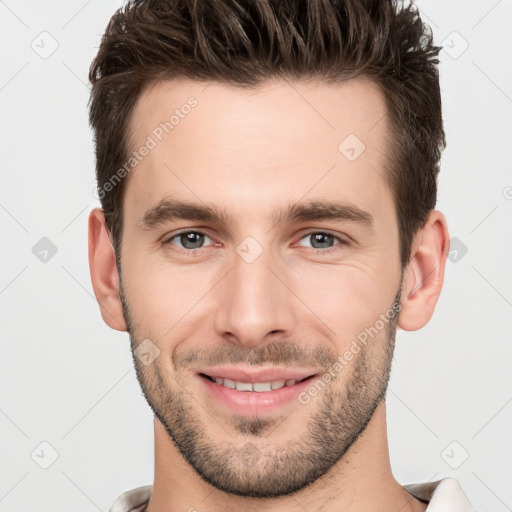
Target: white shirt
(444,495)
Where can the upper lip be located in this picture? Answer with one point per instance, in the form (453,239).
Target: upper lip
(252,375)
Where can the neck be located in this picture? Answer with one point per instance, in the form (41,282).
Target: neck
(362,480)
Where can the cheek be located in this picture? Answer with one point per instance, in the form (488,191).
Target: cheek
(162,294)
(346,298)
(167,300)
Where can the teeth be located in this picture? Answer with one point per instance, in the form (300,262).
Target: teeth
(257,386)
(263,386)
(243,386)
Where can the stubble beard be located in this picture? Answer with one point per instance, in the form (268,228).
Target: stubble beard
(249,464)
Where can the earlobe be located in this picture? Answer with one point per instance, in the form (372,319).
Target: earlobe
(424,276)
(104,275)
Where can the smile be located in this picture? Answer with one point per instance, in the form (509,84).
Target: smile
(259,387)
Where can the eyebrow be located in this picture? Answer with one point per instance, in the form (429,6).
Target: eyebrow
(168,210)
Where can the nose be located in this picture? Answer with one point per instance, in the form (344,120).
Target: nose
(255,301)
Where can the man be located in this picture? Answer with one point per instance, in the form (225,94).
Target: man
(267,172)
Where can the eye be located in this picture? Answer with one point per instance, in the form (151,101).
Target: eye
(322,241)
(189,241)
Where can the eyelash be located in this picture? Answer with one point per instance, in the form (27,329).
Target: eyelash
(193,252)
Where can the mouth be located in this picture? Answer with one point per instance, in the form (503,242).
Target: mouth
(246,390)
(258,387)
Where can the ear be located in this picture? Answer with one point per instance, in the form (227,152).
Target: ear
(104,275)
(424,275)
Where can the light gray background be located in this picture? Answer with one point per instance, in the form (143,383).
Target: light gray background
(67,379)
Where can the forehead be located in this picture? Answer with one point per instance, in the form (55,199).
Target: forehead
(256,147)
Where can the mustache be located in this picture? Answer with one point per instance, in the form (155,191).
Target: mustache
(274,353)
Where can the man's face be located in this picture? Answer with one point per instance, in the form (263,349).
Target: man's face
(262,287)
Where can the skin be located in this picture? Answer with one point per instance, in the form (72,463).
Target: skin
(251,153)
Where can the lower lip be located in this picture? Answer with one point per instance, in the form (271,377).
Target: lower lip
(254,402)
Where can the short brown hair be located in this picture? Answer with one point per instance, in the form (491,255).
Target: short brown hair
(243,43)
